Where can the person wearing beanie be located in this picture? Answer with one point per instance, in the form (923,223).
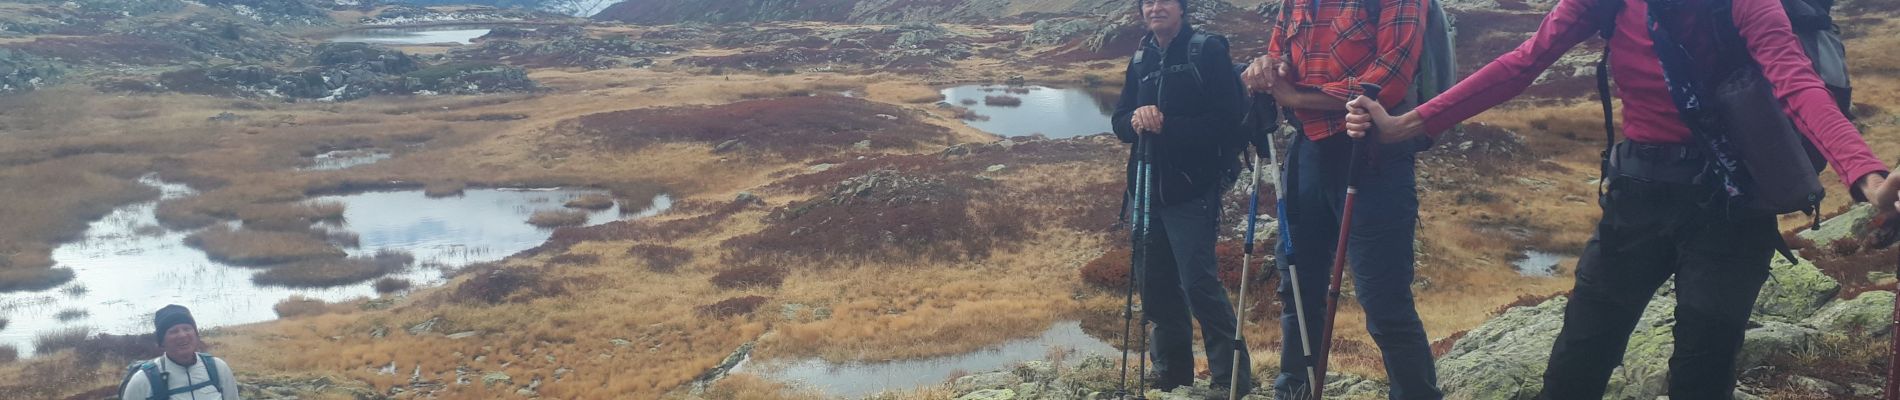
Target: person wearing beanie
(1181,102)
(183,372)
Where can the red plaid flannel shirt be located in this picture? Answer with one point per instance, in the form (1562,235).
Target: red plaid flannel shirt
(1334,46)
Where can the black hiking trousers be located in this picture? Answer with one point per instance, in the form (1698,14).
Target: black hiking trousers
(1650,231)
(1180,286)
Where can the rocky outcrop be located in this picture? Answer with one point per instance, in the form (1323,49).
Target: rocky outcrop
(1871,314)
(1839,227)
(854,11)
(411,15)
(1096,377)
(21,72)
(275,12)
(1793,291)
(349,71)
(1773,338)
(1505,357)
(576,50)
(364,57)
(1062,30)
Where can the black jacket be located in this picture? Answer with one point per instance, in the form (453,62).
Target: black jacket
(1200,120)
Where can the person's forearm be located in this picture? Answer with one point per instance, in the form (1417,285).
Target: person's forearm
(1410,124)
(1308,99)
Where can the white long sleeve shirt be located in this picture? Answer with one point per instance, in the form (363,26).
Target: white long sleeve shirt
(179,376)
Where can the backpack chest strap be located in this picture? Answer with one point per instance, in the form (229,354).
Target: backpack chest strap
(191,388)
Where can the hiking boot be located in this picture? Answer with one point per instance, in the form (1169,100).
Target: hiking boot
(1154,381)
(1217,392)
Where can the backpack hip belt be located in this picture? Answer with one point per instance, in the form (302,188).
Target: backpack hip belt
(1664,163)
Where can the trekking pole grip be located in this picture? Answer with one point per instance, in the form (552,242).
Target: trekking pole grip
(1358,152)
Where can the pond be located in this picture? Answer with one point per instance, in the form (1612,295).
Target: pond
(1052,112)
(342,159)
(412,36)
(125,265)
(1538,263)
(860,379)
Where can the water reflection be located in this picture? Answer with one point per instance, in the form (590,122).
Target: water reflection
(1538,263)
(341,159)
(1052,112)
(860,379)
(399,36)
(126,267)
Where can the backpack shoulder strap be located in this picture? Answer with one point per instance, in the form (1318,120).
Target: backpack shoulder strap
(159,388)
(1196,44)
(1606,13)
(154,380)
(211,369)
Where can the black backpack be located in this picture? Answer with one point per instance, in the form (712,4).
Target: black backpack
(1231,149)
(1813,26)
(160,388)
(1734,115)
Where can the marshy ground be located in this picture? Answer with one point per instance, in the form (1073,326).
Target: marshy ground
(820,205)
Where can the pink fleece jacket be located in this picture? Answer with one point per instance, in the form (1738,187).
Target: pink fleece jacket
(1649,116)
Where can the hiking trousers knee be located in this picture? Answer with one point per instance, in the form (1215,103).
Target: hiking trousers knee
(1379,253)
(1180,286)
(1650,232)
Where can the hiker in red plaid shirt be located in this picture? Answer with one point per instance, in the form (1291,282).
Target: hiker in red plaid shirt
(1320,53)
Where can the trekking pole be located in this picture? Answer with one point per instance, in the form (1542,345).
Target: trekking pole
(1240,302)
(1893,361)
(1886,232)
(1282,185)
(1246,263)
(1139,183)
(1339,251)
(1142,242)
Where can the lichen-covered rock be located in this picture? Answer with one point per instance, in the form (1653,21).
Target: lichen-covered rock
(1062,30)
(988,380)
(1793,291)
(1645,368)
(1505,357)
(990,394)
(364,57)
(20,72)
(1772,338)
(1354,387)
(1840,227)
(275,12)
(1871,313)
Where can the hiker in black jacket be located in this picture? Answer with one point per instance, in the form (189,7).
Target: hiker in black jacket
(1182,94)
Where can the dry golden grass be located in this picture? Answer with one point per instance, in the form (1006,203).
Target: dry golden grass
(753,387)
(253,247)
(903,92)
(300,306)
(290,216)
(335,271)
(444,189)
(557,218)
(591,202)
(879,310)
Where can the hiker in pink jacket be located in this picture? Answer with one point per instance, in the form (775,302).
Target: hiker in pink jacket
(1662,217)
